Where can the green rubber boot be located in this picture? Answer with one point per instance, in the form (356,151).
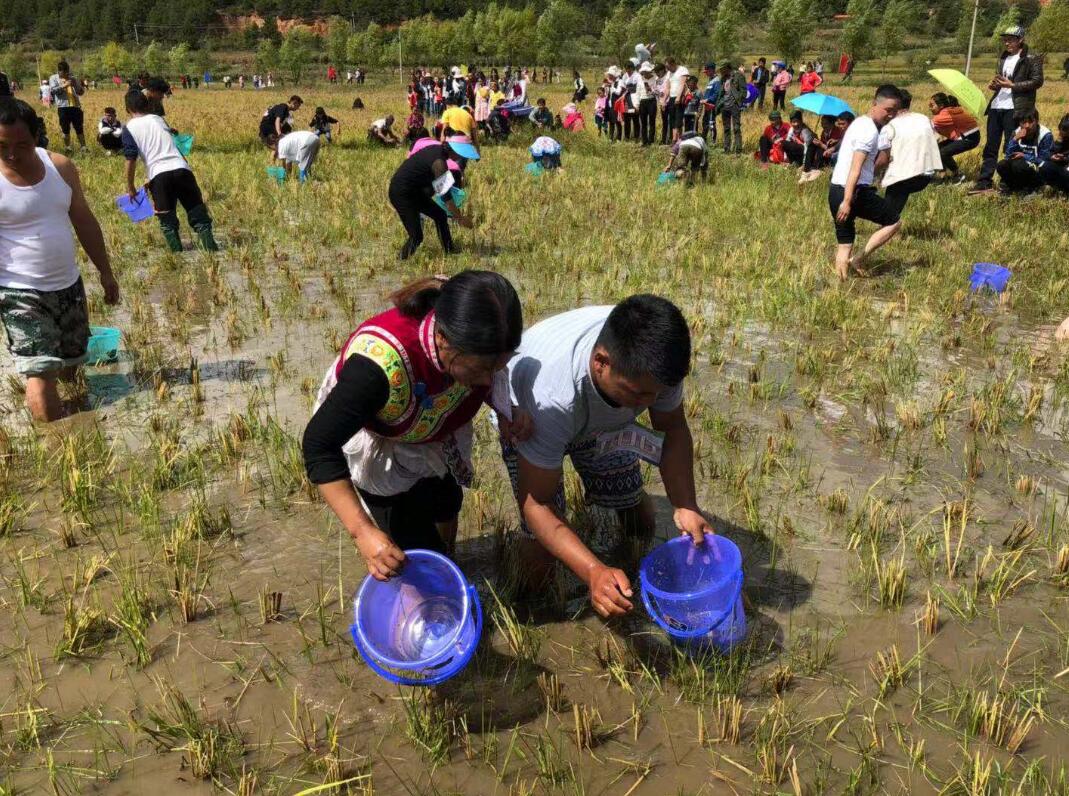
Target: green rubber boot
(169,225)
(201,222)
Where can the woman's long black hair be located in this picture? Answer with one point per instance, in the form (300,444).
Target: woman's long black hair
(478,312)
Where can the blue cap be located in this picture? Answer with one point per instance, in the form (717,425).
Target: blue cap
(464,149)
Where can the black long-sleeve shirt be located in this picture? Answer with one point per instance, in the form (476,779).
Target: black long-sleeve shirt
(360,394)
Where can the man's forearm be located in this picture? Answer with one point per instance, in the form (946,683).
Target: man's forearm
(131,167)
(559,539)
(677,468)
(92,239)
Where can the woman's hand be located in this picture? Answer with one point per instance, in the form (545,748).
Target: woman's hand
(383,558)
(609,591)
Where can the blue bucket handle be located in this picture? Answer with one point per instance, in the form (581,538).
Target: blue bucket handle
(442,676)
(676,632)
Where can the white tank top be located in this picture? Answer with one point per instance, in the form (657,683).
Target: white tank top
(36,238)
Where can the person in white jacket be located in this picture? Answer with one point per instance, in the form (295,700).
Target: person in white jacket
(109,131)
(910,149)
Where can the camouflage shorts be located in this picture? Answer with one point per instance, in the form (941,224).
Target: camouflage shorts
(46,329)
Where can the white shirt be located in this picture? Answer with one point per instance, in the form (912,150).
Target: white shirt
(300,147)
(676,80)
(1003,101)
(155,145)
(550,378)
(861,136)
(36,239)
(914,147)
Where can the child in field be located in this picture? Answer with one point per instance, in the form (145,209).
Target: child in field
(542,118)
(829,137)
(546,152)
(798,146)
(600,103)
(109,131)
(170,180)
(323,125)
(691,101)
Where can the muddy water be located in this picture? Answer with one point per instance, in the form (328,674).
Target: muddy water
(809,596)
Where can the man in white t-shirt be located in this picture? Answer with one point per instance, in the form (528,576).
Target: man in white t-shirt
(910,150)
(852,194)
(170,180)
(300,147)
(677,77)
(42,299)
(583,377)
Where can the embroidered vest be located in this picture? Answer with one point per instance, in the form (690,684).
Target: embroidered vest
(425,404)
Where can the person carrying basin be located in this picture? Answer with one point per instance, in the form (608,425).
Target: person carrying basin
(389,444)
(584,377)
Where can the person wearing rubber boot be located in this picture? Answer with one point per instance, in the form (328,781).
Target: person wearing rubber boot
(170,180)
(583,378)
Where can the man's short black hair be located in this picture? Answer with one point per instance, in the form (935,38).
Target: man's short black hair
(888,91)
(906,97)
(137,102)
(109,110)
(297,99)
(648,335)
(846,116)
(63,66)
(1030,115)
(13,111)
(796,116)
(158,84)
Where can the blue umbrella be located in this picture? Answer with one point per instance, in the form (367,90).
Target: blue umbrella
(820,104)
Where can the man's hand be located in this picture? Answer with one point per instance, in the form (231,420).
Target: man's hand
(111,288)
(519,429)
(844,212)
(609,591)
(1016,156)
(382,556)
(1003,82)
(132,193)
(692,523)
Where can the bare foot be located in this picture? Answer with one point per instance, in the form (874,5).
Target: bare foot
(855,265)
(1062,333)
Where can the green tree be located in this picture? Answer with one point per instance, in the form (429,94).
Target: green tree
(898,17)
(295,54)
(337,41)
(790,24)
(369,47)
(154,59)
(1050,31)
(730,16)
(16,62)
(616,33)
(266,56)
(557,29)
(179,59)
(859,30)
(1010,17)
(117,59)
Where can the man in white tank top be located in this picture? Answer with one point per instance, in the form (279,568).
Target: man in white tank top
(42,299)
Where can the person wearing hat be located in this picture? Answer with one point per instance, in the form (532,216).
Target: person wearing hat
(631,80)
(1019,76)
(414,185)
(776,132)
(647,104)
(709,100)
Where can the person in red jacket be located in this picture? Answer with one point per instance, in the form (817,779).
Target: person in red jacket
(770,145)
(810,81)
(958,127)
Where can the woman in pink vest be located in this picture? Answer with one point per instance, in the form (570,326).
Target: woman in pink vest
(390,442)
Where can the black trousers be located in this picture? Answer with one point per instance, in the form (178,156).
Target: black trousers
(668,114)
(709,125)
(764,148)
(647,120)
(1056,175)
(631,126)
(410,518)
(948,149)
(761,89)
(172,188)
(1019,176)
(796,153)
(779,100)
(110,142)
(732,123)
(410,205)
(898,194)
(1000,129)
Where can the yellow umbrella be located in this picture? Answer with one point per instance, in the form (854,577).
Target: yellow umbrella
(970,97)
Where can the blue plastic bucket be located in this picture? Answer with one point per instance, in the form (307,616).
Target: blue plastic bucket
(103,345)
(694,592)
(989,275)
(459,197)
(278,173)
(420,627)
(184,142)
(137,209)
(666,178)
(535,169)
